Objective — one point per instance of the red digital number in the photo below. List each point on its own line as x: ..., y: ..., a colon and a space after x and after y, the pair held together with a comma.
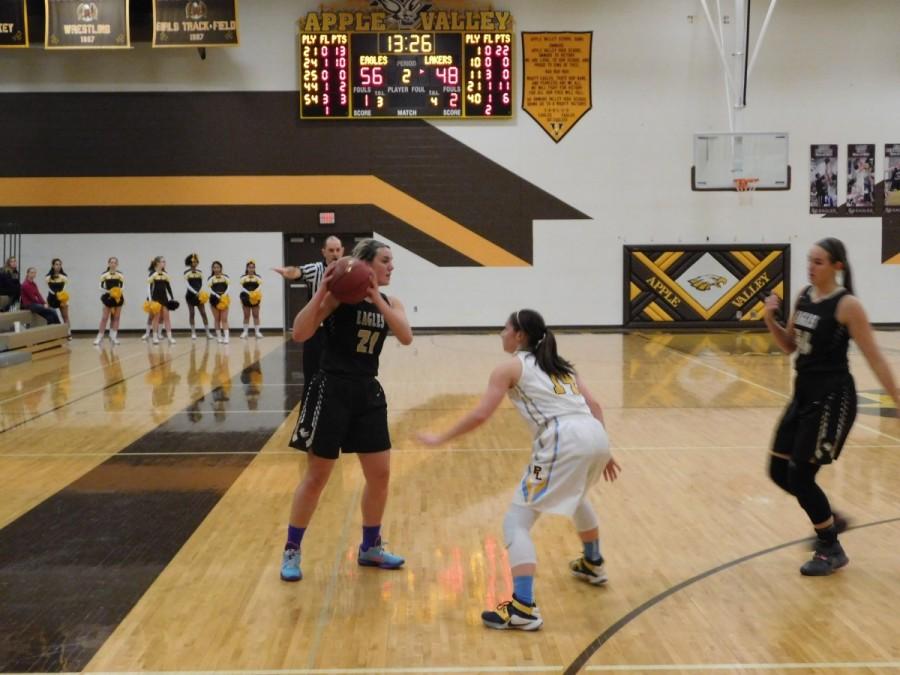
x: 370, y: 76
x: 449, y: 75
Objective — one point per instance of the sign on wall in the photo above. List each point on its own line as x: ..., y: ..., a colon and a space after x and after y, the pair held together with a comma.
x: 97, y: 24
x: 892, y: 178
x: 823, y: 178
x: 557, y: 90
x: 712, y: 285
x: 13, y: 24
x: 861, y: 178
x: 195, y: 23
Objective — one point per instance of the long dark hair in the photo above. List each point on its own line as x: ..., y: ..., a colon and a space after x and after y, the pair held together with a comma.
x: 838, y: 253
x: 61, y: 270
x: 247, y: 266
x: 541, y: 342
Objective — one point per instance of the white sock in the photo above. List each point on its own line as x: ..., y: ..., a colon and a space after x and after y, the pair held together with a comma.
x: 113, y: 334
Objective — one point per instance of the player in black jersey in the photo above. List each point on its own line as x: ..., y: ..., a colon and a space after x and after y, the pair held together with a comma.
x: 815, y: 424
x: 344, y: 409
x: 194, y: 278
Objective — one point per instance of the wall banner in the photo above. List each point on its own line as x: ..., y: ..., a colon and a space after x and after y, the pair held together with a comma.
x: 718, y: 286
x: 557, y: 91
x: 98, y: 24
x: 861, y: 179
x: 13, y: 24
x: 823, y: 178
x: 195, y: 23
x: 892, y: 178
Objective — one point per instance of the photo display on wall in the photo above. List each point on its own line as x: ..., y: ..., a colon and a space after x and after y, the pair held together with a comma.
x: 861, y: 178
x: 892, y: 178
x: 721, y: 286
x: 823, y: 178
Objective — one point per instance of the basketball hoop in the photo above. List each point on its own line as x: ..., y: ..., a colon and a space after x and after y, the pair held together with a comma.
x: 745, y: 187
x: 745, y: 184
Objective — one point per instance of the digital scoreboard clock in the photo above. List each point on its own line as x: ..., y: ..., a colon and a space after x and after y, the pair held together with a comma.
x: 358, y: 75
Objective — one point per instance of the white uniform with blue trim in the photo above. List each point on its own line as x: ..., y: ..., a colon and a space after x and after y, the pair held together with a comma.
x: 570, y: 447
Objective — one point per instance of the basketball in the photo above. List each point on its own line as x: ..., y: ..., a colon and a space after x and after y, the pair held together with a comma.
x: 350, y: 283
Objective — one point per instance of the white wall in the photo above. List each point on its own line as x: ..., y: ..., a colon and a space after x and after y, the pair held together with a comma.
x: 84, y: 258
x: 828, y: 73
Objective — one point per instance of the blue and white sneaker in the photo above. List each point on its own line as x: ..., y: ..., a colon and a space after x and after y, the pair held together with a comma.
x: 290, y: 565
x: 376, y: 556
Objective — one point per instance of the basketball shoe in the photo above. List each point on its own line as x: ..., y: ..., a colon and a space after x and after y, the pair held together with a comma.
x: 513, y: 614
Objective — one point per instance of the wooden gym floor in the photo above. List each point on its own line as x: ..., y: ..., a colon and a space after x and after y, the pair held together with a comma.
x: 144, y: 494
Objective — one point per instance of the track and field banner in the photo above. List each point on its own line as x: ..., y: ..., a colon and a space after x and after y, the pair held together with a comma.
x: 13, y: 24
x: 97, y: 24
x: 715, y: 286
x: 195, y: 23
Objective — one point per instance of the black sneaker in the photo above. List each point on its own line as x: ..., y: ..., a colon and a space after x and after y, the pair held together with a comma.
x: 841, y: 523
x: 513, y: 614
x: 826, y: 559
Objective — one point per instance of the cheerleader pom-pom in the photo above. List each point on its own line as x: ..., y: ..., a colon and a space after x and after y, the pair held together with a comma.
x: 115, y: 293
x: 152, y: 307
x: 63, y: 297
x: 255, y: 297
x: 224, y: 303
x: 202, y: 297
x: 172, y: 305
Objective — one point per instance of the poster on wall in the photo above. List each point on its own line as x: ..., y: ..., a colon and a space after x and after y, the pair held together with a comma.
x: 13, y: 24
x: 861, y: 178
x: 99, y: 24
x: 195, y: 23
x: 823, y: 178
x: 557, y: 74
x: 892, y: 178
x: 709, y: 286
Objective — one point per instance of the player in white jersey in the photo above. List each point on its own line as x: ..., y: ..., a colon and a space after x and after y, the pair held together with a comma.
x: 569, y: 454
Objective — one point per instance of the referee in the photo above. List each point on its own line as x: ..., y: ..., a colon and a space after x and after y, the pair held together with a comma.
x: 312, y: 274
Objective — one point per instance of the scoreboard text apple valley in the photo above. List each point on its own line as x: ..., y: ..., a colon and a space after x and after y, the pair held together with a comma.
x: 364, y: 72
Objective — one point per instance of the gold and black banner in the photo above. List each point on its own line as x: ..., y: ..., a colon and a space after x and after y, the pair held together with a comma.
x: 195, y: 23
x: 13, y: 24
x: 719, y: 286
x: 98, y: 24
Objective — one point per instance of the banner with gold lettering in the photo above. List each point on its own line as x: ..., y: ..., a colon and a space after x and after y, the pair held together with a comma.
x: 557, y: 91
x: 717, y: 286
x: 96, y: 24
x: 13, y: 24
x: 195, y: 23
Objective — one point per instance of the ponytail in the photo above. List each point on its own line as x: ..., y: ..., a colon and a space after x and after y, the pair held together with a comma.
x: 541, y: 342
x: 838, y: 253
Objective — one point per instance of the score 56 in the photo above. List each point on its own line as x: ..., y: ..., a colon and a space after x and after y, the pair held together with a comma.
x: 371, y: 76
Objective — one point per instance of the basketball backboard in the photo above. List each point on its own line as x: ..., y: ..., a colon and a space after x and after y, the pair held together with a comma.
x: 720, y: 158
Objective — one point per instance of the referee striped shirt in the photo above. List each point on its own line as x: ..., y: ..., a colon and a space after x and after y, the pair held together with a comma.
x: 312, y: 274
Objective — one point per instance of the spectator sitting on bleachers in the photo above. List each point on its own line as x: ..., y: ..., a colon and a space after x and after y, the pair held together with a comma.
x: 9, y: 284
x: 32, y: 299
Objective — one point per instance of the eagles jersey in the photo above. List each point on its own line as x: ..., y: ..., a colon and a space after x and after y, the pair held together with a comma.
x: 160, y: 288
x: 194, y: 279
x: 250, y: 282
x: 218, y: 283
x: 822, y: 341
x: 540, y: 397
x: 354, y: 336
x: 110, y: 280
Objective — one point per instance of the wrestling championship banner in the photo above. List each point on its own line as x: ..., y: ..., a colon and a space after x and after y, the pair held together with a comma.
x: 99, y: 24
x: 717, y: 286
x: 195, y: 23
x: 13, y: 24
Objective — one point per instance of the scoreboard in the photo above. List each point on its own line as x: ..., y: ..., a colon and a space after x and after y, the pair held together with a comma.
x: 360, y: 75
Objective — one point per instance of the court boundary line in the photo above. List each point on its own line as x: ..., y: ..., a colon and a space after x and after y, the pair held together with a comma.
x: 588, y: 652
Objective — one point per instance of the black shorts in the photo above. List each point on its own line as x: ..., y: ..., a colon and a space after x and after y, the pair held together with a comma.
x: 342, y: 414
x: 53, y: 301
x: 191, y: 299
x: 816, y: 422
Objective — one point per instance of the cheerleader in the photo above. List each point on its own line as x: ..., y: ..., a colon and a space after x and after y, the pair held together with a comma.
x: 111, y: 283
x: 160, y: 292
x: 251, y: 298
x: 194, y: 297
x: 58, y: 297
x: 219, y: 301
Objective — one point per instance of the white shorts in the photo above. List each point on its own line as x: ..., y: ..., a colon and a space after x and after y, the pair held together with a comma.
x: 567, y: 458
